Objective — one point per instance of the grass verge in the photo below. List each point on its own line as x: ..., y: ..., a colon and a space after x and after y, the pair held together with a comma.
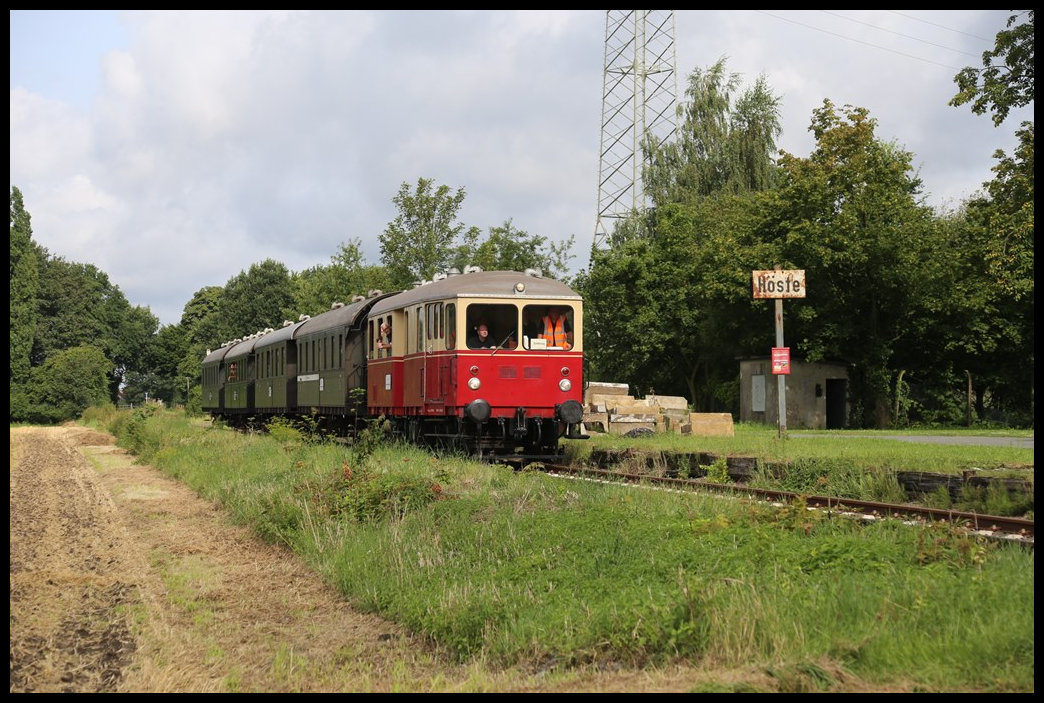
x: 521, y: 569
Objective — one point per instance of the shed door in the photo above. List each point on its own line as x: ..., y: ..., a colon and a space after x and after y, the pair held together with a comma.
x: 835, y: 403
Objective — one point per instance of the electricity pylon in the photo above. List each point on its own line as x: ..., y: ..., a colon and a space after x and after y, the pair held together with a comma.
x: 639, y: 92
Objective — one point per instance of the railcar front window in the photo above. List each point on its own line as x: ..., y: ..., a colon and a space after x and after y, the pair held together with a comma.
x: 500, y: 320
x: 547, y: 327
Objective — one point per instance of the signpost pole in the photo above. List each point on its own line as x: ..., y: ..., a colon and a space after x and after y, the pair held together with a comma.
x: 779, y: 284
x: 781, y: 380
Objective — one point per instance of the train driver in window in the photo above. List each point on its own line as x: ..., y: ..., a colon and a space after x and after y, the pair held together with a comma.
x: 479, y: 338
x: 556, y: 329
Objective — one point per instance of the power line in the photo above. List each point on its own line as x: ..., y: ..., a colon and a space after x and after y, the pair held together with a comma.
x: 898, y: 34
x: 860, y: 41
x: 948, y: 29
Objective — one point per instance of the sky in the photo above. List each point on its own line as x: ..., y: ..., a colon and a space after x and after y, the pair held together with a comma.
x: 173, y: 149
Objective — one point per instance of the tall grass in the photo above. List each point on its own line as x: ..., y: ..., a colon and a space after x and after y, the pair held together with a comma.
x: 522, y: 568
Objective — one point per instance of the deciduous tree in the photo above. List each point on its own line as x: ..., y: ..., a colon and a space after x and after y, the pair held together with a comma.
x: 421, y: 240
x: 725, y: 144
x: 1006, y: 79
x: 848, y: 215
x: 506, y: 248
x: 253, y: 300
x: 317, y: 288
x: 69, y: 382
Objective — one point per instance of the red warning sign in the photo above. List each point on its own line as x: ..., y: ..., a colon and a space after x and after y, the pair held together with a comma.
x: 780, y: 360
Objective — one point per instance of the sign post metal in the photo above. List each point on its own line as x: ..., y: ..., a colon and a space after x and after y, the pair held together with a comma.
x: 779, y: 284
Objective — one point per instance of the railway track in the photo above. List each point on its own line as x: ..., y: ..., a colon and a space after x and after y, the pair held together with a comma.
x: 990, y: 526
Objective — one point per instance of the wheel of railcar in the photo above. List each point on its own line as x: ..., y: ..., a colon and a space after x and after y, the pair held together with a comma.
x: 415, y: 431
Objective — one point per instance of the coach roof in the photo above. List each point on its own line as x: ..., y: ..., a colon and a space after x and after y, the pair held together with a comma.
x: 351, y: 315
x: 512, y: 285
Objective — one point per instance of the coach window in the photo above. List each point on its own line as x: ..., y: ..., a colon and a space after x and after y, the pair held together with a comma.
x: 433, y: 322
x: 420, y: 329
x: 451, y: 326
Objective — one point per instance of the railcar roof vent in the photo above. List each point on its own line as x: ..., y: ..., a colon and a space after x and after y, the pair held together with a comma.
x: 269, y: 329
x: 358, y: 298
x: 375, y: 292
x: 441, y: 276
x: 208, y: 352
x: 418, y: 283
x: 535, y: 273
x: 303, y: 317
x: 336, y: 305
x: 472, y: 269
x: 454, y: 271
x: 287, y: 323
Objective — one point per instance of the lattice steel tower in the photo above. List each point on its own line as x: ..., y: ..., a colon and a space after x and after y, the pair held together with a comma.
x: 639, y: 92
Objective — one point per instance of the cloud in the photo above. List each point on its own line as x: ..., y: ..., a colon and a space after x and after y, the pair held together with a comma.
x: 217, y: 139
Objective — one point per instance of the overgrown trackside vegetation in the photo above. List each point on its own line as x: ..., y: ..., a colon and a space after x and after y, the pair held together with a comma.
x: 522, y: 568
x: 854, y: 465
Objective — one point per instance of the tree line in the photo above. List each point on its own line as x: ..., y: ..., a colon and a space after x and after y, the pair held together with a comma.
x: 77, y: 342
x: 932, y: 310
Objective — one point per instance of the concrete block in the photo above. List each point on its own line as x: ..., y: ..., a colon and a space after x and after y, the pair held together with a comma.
x: 621, y: 424
x: 672, y: 402
x: 598, y: 388
x: 596, y: 421
x: 710, y: 425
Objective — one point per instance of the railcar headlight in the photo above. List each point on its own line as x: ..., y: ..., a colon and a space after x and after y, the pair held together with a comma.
x: 474, y: 384
x: 565, y: 385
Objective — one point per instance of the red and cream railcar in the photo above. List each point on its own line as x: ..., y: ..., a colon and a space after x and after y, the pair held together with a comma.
x: 518, y: 390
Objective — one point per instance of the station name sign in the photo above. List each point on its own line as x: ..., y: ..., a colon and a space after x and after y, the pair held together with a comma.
x: 779, y: 284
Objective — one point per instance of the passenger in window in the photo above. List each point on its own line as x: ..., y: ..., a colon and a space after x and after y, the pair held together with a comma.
x: 384, y: 339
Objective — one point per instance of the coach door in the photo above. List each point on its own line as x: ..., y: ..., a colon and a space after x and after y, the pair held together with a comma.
x: 436, y: 360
